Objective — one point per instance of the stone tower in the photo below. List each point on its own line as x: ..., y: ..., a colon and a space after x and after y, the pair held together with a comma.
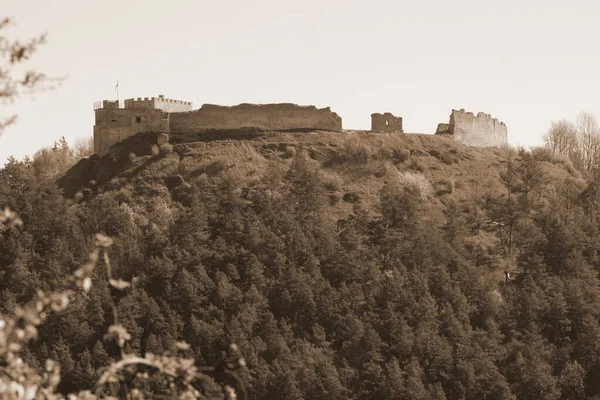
x: 115, y: 123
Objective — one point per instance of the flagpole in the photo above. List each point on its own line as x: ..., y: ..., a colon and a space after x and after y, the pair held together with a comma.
x: 117, y: 87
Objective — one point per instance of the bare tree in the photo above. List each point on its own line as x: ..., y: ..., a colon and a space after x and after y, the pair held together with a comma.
x: 13, y: 84
x: 580, y: 141
x: 83, y: 147
x: 562, y: 137
x: 589, y: 139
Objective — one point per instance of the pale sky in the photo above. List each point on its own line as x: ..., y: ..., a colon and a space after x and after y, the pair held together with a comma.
x: 526, y: 62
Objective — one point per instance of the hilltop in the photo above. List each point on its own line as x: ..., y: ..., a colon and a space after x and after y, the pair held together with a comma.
x: 354, y: 164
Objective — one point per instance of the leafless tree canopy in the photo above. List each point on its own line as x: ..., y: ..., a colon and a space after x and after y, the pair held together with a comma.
x: 83, y: 147
x: 580, y: 140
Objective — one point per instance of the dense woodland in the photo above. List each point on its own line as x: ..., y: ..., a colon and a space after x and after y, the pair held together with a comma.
x: 386, y: 302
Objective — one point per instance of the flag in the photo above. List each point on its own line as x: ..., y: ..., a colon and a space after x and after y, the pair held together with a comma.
x: 117, y: 86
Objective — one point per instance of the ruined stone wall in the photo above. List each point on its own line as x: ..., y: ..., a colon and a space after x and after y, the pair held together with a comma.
x: 479, y: 130
x: 444, y: 129
x: 386, y: 122
x: 115, y: 124
x: 153, y: 114
x: 267, y: 117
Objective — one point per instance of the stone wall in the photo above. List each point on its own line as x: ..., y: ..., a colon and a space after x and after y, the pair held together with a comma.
x: 479, y: 130
x: 266, y: 117
x: 444, y: 129
x: 172, y: 106
x: 173, y: 116
x: 160, y: 103
x: 386, y: 122
x: 116, y: 124
x: 110, y: 104
x: 140, y: 102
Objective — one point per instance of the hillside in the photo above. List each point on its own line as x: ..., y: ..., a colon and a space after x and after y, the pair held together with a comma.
x: 354, y: 167
x: 343, y: 265
x: 355, y: 162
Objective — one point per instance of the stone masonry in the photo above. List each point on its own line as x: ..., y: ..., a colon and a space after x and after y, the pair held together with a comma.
x: 160, y: 115
x: 172, y: 117
x: 386, y: 122
x: 479, y: 130
x: 114, y: 124
x: 263, y: 117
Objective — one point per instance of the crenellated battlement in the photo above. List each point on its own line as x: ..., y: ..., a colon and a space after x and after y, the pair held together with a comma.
x: 158, y: 103
x: 107, y: 104
x: 162, y: 98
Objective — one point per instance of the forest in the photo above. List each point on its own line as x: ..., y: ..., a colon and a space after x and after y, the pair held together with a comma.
x: 323, y: 292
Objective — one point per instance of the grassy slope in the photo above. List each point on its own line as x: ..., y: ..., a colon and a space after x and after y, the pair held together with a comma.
x: 351, y: 162
x: 354, y: 163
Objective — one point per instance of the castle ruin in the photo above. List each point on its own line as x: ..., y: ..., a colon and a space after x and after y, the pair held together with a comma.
x: 116, y: 121
x: 386, y: 122
x: 479, y: 130
x: 157, y: 114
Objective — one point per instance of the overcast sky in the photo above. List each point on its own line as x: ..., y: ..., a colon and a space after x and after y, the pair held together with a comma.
x: 526, y: 62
